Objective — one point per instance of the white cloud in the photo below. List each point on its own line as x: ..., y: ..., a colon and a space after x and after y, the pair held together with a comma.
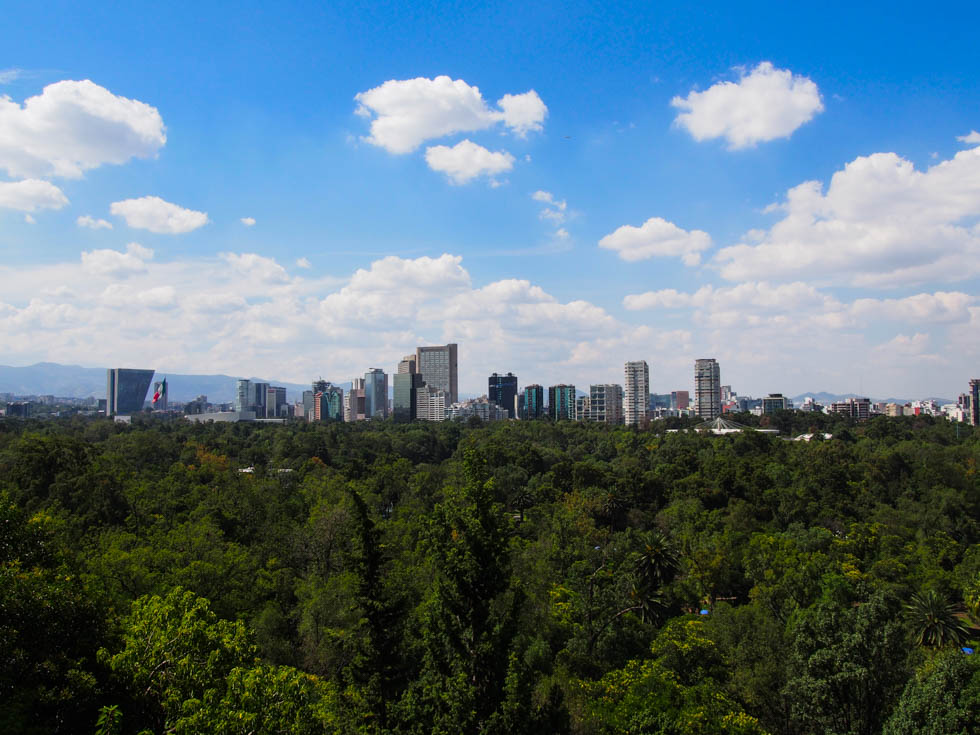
x: 75, y: 126
x: 9, y: 75
x: 880, y: 223
x: 248, y: 221
x: 114, y: 264
x: 303, y: 263
x: 523, y: 113
x: 923, y: 308
x: 238, y: 313
x: 758, y: 295
x: 31, y: 195
x: 548, y: 198
x: 973, y: 138
x: 91, y: 223
x: 406, y: 113
x: 29, y: 219
x: 256, y: 267
x: 657, y: 237
x: 562, y: 234
x: 765, y: 104
x: 466, y: 161
x: 159, y: 216
x: 555, y: 211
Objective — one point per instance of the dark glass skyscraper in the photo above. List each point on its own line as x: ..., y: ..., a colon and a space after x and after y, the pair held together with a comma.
x: 502, y: 390
x: 561, y: 401
x: 533, y: 401
x: 126, y: 390
x: 376, y: 393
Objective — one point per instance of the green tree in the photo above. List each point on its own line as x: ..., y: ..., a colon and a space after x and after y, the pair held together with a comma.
x: 176, y: 653
x: 942, y: 699
x: 849, y: 661
x: 934, y: 621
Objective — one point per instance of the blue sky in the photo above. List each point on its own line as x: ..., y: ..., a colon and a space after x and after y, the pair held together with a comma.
x: 557, y: 187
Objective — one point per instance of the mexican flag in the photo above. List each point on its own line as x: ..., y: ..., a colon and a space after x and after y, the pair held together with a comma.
x: 161, y: 391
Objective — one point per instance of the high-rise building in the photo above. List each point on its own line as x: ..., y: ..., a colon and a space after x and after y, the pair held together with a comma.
x: 376, y: 393
x: 606, y: 403
x: 707, y: 389
x: 244, y: 395
x: 857, y: 408
x: 328, y: 404
x: 776, y: 402
x: 408, y: 383
x: 561, y: 401
x: 126, y: 390
x: 502, y: 390
x: 275, y: 401
x: 533, y: 401
x: 438, y: 368
x: 354, y: 401
x: 636, y: 392
x: 679, y: 400
x: 974, y: 402
x: 431, y: 404
x: 260, y: 395
x: 583, y: 408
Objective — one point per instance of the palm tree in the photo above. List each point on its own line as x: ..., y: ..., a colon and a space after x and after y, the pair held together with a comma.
x: 934, y: 621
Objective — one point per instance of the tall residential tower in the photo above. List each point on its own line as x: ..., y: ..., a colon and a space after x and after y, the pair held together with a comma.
x: 636, y: 392
x: 707, y: 389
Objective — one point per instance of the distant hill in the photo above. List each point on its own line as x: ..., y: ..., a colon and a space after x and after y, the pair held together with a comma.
x: 74, y: 381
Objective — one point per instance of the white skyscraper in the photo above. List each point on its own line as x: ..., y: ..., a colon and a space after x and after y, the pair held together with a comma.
x: 707, y: 388
x: 636, y: 392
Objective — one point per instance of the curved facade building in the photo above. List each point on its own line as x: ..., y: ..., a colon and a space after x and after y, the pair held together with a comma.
x: 125, y: 390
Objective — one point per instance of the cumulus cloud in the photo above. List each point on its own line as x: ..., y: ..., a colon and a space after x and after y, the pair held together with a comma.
x: 73, y: 126
x: 657, y: 238
x: 406, y: 113
x: 92, y: 223
x: 880, y: 223
x: 466, y: 161
x: 973, y: 138
x: 238, y: 313
x: 31, y: 195
x: 114, y: 264
x: 257, y: 267
x: 248, y: 221
x: 764, y: 104
x: 923, y: 308
x: 303, y: 263
x: 752, y: 295
x: 159, y: 216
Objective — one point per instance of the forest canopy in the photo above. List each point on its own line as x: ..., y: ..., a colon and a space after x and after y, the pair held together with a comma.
x: 513, y: 577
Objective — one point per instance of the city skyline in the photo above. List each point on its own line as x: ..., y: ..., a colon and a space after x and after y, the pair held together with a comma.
x: 800, y: 201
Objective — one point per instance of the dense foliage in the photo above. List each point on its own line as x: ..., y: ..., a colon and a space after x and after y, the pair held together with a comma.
x: 520, y: 577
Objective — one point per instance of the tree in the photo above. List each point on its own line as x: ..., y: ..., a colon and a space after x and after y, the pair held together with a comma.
x: 942, y: 699
x: 176, y: 651
x: 679, y: 691
x: 934, y: 621
x: 849, y: 661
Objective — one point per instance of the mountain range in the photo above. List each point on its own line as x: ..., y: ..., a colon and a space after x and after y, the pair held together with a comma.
x: 74, y: 381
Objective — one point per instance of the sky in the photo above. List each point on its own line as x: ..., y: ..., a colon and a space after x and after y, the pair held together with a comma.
x: 295, y: 190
